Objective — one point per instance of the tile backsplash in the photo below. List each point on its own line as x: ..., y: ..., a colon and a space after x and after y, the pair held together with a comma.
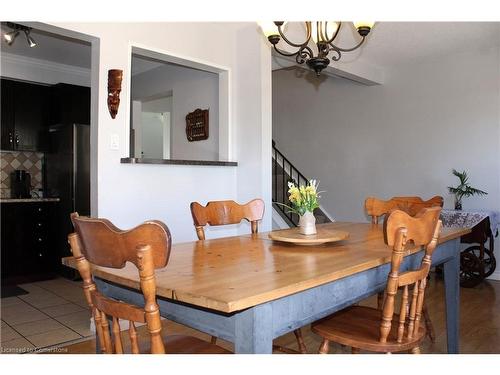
x: 26, y: 160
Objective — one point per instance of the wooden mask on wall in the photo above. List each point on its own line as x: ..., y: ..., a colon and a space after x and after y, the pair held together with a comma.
x: 114, y: 88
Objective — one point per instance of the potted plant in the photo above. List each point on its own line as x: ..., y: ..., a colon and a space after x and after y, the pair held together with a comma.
x: 464, y: 189
x: 304, y: 200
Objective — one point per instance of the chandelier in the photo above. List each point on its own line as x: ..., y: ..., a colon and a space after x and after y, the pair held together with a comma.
x: 322, y: 33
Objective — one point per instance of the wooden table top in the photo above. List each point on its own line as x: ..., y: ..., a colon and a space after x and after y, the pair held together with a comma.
x: 234, y: 273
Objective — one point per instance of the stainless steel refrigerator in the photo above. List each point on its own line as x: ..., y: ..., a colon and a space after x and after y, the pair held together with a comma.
x: 67, y: 174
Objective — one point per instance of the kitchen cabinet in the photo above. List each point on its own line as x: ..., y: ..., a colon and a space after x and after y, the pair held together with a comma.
x: 29, y: 246
x: 70, y: 104
x: 7, y: 115
x: 25, y: 115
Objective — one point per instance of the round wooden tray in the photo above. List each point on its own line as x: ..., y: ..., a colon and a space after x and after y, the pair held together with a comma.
x: 292, y: 235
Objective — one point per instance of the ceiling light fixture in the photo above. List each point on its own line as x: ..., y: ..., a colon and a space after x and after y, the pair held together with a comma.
x: 322, y: 33
x: 30, y: 40
x: 16, y: 28
x: 9, y: 37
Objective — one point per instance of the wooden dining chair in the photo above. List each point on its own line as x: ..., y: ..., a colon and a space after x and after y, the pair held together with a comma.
x: 411, y: 205
x: 226, y: 212
x: 367, y: 328
x: 230, y: 212
x: 97, y: 242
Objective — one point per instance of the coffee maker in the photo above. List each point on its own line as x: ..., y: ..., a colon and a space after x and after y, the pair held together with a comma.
x: 20, y: 184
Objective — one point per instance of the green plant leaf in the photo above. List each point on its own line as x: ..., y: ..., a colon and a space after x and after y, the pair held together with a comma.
x: 464, y: 189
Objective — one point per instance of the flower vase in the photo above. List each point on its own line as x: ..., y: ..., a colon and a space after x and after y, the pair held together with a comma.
x: 307, y: 224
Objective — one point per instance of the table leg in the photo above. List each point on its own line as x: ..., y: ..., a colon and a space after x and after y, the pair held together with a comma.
x: 253, y: 331
x: 452, y: 295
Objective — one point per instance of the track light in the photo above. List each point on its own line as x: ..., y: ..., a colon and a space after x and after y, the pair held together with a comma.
x: 16, y: 28
x: 9, y: 37
x: 30, y: 40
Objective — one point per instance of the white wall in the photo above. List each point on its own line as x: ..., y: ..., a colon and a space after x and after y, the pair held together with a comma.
x: 400, y: 138
x: 127, y: 194
x: 191, y: 89
x: 158, y: 105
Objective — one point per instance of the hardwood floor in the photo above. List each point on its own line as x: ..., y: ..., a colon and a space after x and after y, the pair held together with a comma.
x: 479, y: 327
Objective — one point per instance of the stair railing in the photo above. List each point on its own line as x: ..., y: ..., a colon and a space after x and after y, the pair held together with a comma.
x: 283, y: 172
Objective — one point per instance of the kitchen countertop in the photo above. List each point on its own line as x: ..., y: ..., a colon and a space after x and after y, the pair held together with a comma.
x: 28, y: 200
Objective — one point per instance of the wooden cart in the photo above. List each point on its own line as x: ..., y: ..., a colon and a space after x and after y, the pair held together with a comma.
x: 477, y: 261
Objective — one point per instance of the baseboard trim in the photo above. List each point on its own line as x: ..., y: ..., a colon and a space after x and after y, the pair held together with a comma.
x: 495, y: 275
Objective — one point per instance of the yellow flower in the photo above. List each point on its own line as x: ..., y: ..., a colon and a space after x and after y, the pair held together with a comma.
x: 311, y: 190
x: 295, y: 196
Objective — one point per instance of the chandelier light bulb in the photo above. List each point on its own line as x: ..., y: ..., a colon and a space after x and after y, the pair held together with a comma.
x: 331, y: 28
x: 327, y: 30
x: 358, y: 24
x: 363, y: 27
x: 268, y: 28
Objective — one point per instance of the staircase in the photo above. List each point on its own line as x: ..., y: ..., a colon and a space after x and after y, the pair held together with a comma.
x: 284, y: 172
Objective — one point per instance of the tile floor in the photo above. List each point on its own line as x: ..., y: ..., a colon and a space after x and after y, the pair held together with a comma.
x: 54, y: 312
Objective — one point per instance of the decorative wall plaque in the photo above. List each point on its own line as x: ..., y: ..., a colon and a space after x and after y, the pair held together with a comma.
x: 114, y: 88
x: 197, y: 125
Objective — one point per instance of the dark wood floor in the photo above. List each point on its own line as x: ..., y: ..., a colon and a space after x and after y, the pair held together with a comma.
x: 479, y: 323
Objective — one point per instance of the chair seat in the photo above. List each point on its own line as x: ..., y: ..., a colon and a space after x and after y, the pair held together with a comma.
x: 359, y: 327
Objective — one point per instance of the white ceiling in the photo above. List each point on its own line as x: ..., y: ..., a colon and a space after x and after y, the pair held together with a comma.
x: 389, y: 43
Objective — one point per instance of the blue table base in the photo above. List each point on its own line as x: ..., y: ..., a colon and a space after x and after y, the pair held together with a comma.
x: 253, y: 330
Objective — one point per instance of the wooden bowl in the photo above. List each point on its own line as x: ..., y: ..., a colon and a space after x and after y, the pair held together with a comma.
x: 322, y: 236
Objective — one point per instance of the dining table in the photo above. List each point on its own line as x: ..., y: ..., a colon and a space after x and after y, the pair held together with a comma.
x: 250, y: 289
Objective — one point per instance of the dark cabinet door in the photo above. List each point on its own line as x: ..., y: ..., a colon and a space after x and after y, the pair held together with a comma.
x: 31, y: 109
x: 42, y: 249
x: 9, y: 240
x: 29, y: 250
x: 7, y: 114
x: 70, y: 104
x: 16, y: 239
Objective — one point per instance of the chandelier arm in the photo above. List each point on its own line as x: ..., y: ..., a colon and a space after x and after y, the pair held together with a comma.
x: 308, y: 31
x: 347, y: 49
x: 283, y: 53
x: 337, y: 51
x: 329, y: 41
x: 303, y: 53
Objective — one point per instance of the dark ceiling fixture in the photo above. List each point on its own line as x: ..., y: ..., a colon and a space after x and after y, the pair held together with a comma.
x: 16, y: 29
x: 322, y: 33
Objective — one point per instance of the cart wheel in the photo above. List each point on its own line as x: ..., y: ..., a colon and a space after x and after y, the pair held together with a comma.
x: 490, y: 263
x: 470, y: 270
